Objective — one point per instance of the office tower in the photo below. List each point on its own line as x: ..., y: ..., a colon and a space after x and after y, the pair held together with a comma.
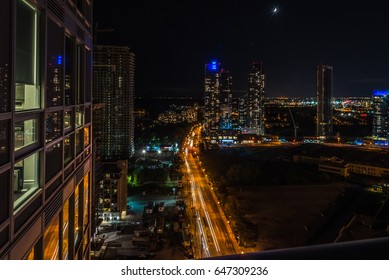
x: 114, y: 87
x: 381, y: 114
x: 256, y: 99
x: 45, y: 129
x: 324, y: 98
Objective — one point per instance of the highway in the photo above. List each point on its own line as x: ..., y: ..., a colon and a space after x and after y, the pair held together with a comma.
x: 213, y: 235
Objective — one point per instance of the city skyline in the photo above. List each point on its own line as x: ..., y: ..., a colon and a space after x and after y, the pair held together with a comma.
x: 291, y: 42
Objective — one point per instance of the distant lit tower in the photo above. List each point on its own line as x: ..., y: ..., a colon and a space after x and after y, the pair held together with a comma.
x: 225, y: 99
x: 256, y: 99
x: 381, y: 114
x: 114, y: 86
x: 212, y: 96
x: 324, y: 124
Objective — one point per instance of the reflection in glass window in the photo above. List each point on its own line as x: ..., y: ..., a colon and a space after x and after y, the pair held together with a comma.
x: 69, y: 71
x: 86, y: 199
x: 51, y: 241
x: 68, y: 120
x: 54, y: 64
x: 4, y: 191
x: 53, y: 126
x: 4, y: 56
x: 68, y: 149
x: 80, y: 74
x: 79, y: 141
x: 26, y: 133
x: 65, y: 230
x: 26, y: 57
x: 4, y: 141
x: 26, y: 179
x: 53, y: 160
x: 77, y: 227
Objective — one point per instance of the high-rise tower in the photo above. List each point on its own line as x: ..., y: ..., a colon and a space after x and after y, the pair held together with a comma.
x: 256, y: 99
x: 45, y: 129
x: 114, y: 87
x: 324, y: 124
x: 381, y: 114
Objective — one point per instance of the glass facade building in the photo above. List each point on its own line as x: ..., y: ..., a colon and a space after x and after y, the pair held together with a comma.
x: 381, y: 114
x: 45, y: 128
x: 324, y: 123
x: 256, y: 99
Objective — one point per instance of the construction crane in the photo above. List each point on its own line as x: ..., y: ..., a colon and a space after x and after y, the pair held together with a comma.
x: 294, y: 125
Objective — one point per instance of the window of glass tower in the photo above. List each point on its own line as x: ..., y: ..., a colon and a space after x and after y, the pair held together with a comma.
x: 26, y: 133
x: 53, y: 126
x: 4, y: 141
x: 68, y: 149
x: 53, y: 160
x: 4, y: 200
x: 51, y: 241
x: 27, y: 94
x: 54, y: 64
x: 26, y: 179
x: 4, y: 56
x: 69, y: 70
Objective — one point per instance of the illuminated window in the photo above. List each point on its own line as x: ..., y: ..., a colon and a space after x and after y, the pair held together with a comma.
x: 77, y: 228
x: 68, y: 120
x: 30, y: 256
x: 79, y: 117
x: 86, y: 136
x: 51, y: 241
x: 26, y: 57
x: 26, y: 133
x: 65, y: 230
x: 26, y: 179
x: 86, y: 200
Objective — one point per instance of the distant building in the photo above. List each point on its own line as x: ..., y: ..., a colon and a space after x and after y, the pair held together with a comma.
x: 256, y: 99
x: 217, y: 100
x: 112, y: 204
x: 212, y: 96
x: 381, y: 114
x: 114, y: 86
x: 324, y: 124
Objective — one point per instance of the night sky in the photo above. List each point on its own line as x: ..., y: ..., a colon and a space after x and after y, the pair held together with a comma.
x: 173, y: 39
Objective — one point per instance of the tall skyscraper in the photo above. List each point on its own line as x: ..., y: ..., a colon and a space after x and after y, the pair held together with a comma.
x: 324, y: 124
x: 114, y: 87
x: 256, y: 99
x: 212, y: 96
x: 381, y: 114
x: 45, y: 129
x: 217, y: 99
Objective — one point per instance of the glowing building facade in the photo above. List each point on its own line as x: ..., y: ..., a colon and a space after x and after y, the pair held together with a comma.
x: 45, y: 129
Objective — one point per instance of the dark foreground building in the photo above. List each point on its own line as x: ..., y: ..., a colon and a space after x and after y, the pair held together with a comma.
x: 45, y: 129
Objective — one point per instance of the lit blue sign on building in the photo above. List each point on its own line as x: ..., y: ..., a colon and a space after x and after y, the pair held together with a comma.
x: 213, y: 66
x: 59, y: 60
x: 380, y: 93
